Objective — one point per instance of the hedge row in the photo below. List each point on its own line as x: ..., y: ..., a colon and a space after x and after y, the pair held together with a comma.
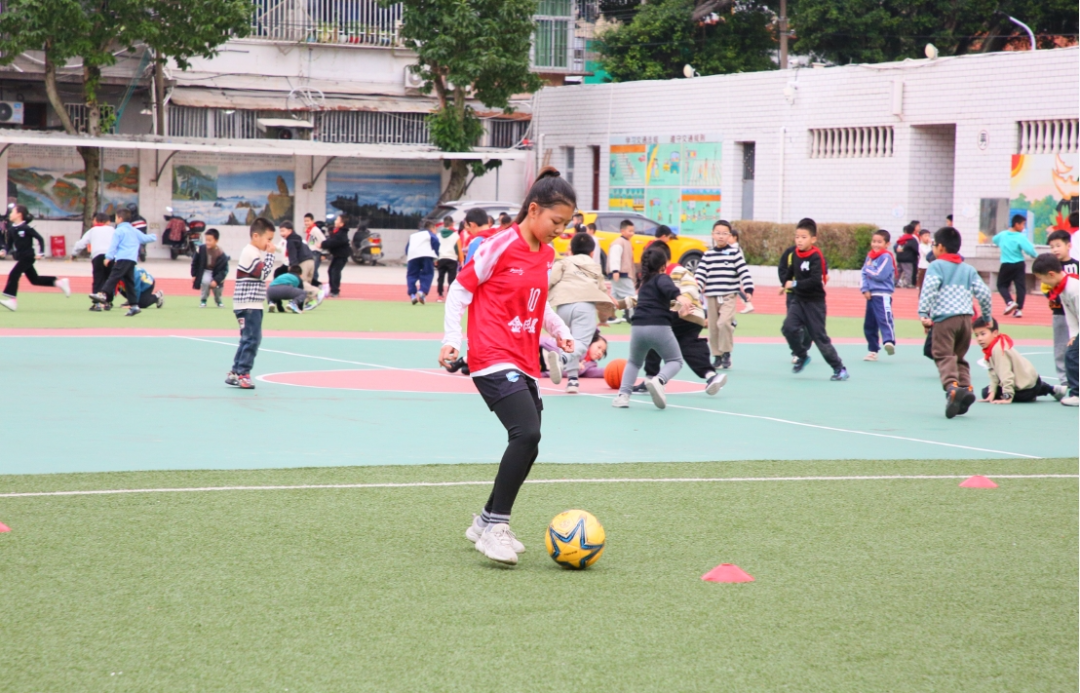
x: 845, y: 245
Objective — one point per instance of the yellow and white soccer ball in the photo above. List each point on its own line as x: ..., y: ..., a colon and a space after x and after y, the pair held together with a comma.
x: 575, y: 539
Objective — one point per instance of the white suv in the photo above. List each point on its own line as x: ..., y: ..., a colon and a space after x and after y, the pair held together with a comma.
x: 458, y: 208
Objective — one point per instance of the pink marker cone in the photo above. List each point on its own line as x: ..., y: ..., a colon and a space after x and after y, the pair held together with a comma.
x: 977, y: 482
x: 727, y: 572
x: 4, y: 528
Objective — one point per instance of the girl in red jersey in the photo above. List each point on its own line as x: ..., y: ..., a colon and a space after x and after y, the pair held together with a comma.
x: 505, y: 289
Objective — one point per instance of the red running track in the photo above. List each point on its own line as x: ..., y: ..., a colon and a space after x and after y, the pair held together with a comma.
x: 842, y: 302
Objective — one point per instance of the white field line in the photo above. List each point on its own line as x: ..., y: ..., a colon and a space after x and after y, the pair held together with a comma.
x: 677, y: 406
x: 445, y: 484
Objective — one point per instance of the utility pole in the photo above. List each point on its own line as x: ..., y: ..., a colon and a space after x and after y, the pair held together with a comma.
x: 783, y: 34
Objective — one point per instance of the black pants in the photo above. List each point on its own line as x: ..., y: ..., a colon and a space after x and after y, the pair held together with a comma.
x: 1039, y: 389
x: 447, y: 270
x: 101, y: 273
x: 805, y: 335
x: 25, y: 266
x: 336, y: 265
x: 1013, y: 274
x: 809, y: 316
x: 146, y: 298
x: 121, y: 270
x: 694, y: 347
x: 520, y: 415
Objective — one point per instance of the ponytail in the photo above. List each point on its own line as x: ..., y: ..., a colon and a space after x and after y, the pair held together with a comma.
x: 550, y: 189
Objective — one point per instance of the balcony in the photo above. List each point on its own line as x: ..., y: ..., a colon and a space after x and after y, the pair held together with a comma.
x: 335, y: 22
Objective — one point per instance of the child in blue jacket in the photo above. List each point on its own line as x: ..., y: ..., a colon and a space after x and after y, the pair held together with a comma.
x: 1014, y: 245
x: 878, y: 283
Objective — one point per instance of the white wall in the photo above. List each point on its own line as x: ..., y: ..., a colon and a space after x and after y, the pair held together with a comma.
x: 973, y: 93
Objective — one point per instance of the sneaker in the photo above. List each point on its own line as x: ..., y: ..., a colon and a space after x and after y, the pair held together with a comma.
x: 272, y: 308
x: 244, y: 382
x: 334, y: 295
x: 231, y: 379
x: 134, y: 310
x: 220, y: 305
x: 413, y: 298
x: 1061, y: 392
x: 476, y: 529
x: 890, y: 348
x: 955, y: 399
x: 872, y: 356
x: 967, y: 398
x: 572, y: 385
x: 656, y: 391
x: 840, y: 374
x: 422, y: 298
x: 639, y: 389
x: 96, y: 308
x: 203, y: 304
x: 1011, y: 308
x: 108, y: 306
x: 718, y: 362
x: 9, y: 303
x: 616, y: 321
x: 622, y: 401
x: 1018, y: 314
x: 497, y: 543
x: 160, y: 299
x: 292, y: 307
x: 323, y: 291
x: 725, y: 361
x: 800, y: 363
x: 99, y: 298
x: 1072, y: 401
x: 65, y: 286
x: 554, y: 364
x: 715, y: 383
x: 748, y: 309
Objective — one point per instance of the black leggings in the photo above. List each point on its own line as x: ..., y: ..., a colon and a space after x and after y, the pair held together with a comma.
x: 1013, y: 274
x: 447, y: 271
x: 1039, y: 389
x: 25, y: 267
x: 336, y: 265
x: 520, y: 415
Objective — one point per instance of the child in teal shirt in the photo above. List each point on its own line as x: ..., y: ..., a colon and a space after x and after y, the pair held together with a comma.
x: 1013, y: 272
x: 288, y: 288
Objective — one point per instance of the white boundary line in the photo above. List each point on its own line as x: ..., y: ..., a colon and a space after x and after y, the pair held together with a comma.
x: 445, y: 484
x: 670, y: 406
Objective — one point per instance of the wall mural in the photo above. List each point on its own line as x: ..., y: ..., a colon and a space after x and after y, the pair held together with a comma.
x: 56, y: 190
x: 674, y: 180
x: 232, y: 194
x: 387, y: 194
x: 1045, y: 189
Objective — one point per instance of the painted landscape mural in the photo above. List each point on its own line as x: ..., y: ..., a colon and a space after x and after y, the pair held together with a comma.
x: 387, y: 196
x: 233, y: 194
x: 1044, y: 188
x: 55, y: 191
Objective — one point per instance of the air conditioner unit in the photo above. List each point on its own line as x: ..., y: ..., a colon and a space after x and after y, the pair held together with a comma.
x: 413, y: 80
x: 11, y: 112
x: 284, y: 128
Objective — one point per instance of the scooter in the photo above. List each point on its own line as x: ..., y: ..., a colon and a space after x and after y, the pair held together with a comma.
x: 366, y: 247
x: 182, y: 237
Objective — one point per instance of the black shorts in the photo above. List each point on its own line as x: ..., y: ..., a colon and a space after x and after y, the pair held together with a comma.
x: 495, y: 386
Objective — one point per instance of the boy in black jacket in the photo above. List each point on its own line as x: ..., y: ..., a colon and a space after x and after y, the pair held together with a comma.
x: 786, y: 271
x: 807, y: 307
x: 21, y: 240
x: 337, y: 244
x: 210, y: 267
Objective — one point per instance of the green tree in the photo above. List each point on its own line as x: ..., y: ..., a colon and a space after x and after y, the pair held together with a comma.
x: 870, y: 31
x: 663, y: 36
x: 94, y: 34
x: 468, y: 49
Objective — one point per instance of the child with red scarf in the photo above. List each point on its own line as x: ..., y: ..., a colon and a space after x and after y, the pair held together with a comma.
x: 1064, y: 288
x: 878, y: 277
x: 945, y: 306
x: 807, y: 309
x: 907, y: 254
x: 1012, y: 377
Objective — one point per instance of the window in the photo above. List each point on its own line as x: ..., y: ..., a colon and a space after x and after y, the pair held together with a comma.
x: 346, y: 22
x: 187, y: 121
x: 847, y: 143
x: 506, y: 134
x: 1048, y: 136
x: 371, y: 127
x: 80, y: 116
x: 568, y: 156
x: 554, y: 29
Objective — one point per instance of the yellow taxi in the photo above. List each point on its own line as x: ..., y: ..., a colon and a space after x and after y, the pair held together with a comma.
x: 685, y: 251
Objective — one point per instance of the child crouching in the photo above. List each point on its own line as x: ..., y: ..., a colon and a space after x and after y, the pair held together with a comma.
x: 1012, y: 377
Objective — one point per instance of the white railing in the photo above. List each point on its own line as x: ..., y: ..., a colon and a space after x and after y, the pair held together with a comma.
x: 1048, y: 136
x: 371, y: 127
x: 847, y: 143
x: 341, y: 22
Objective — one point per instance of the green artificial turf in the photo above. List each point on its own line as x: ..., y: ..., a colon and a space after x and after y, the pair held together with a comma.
x: 50, y: 310
x: 897, y: 585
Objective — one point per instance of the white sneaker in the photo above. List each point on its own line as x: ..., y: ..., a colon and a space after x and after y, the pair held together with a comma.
x: 9, y: 303
x: 656, y: 390
x: 476, y: 529
x: 323, y: 291
x: 1061, y: 392
x: 715, y: 383
x: 1011, y: 307
x: 65, y: 286
x: 890, y: 348
x: 748, y: 309
x: 554, y: 364
x: 871, y: 356
x: 1018, y: 314
x: 497, y: 543
x: 621, y: 401
x: 1073, y: 401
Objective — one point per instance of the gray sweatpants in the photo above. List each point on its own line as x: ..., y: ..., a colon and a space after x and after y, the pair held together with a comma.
x: 284, y: 292
x: 1061, y: 344
x: 658, y: 338
x: 581, y: 319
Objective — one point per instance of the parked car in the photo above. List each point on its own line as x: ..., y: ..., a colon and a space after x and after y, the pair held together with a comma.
x: 686, y: 251
x: 457, y: 210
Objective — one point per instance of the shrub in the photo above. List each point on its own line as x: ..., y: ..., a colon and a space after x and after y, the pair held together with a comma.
x: 844, y: 245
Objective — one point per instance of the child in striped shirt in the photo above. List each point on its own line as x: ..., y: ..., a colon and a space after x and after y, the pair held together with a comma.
x: 721, y: 273
x: 254, y: 268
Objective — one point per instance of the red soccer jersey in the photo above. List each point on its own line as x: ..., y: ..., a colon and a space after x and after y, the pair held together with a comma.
x: 509, y: 284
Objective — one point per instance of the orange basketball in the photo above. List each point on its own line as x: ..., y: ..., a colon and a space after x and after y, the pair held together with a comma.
x: 613, y: 373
